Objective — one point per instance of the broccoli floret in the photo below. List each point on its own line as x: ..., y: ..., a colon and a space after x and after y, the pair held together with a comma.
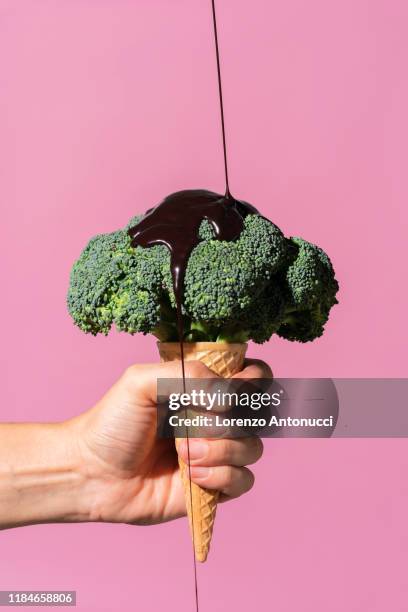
x: 310, y: 288
x: 95, y: 279
x: 114, y: 283
x: 250, y: 288
x: 136, y: 304
x: 206, y: 230
x: 266, y: 314
x: 223, y: 278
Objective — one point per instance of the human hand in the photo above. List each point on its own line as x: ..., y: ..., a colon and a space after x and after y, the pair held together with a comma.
x: 133, y: 477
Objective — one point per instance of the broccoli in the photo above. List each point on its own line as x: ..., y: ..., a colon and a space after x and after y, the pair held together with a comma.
x: 258, y: 285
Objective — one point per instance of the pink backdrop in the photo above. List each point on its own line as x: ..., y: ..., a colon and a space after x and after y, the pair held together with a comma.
x: 106, y: 107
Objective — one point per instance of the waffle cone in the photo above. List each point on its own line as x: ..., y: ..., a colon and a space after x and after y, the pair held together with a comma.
x: 225, y: 360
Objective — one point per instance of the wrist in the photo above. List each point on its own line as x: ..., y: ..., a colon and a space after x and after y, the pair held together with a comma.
x: 87, y: 482
x: 41, y: 480
x: 74, y: 484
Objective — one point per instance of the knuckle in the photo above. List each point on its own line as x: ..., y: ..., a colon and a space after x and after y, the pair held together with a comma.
x: 132, y: 373
x: 134, y: 378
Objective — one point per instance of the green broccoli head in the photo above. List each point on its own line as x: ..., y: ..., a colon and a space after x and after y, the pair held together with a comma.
x: 310, y: 288
x: 250, y: 288
x: 113, y: 283
x: 95, y: 279
x: 224, y: 278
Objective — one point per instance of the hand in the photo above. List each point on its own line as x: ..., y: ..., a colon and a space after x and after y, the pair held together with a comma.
x: 107, y: 465
x: 132, y: 476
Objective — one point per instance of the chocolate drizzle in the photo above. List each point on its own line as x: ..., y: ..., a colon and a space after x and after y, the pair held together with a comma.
x: 175, y: 223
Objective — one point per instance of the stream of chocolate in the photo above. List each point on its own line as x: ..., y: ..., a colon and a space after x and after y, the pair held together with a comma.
x: 175, y: 223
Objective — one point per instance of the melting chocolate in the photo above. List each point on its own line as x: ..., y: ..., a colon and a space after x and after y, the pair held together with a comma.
x: 175, y: 223
x: 176, y: 220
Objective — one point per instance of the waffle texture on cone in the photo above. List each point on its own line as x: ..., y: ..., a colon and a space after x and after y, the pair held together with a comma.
x: 222, y: 358
x: 225, y: 360
x: 204, y: 509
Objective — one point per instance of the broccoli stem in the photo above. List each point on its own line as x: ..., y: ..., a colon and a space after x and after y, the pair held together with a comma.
x: 195, y: 331
x: 165, y: 332
x: 238, y: 336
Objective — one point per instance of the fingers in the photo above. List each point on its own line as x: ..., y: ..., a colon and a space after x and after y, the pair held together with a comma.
x: 218, y: 464
x: 141, y: 379
x: 212, y: 453
x: 229, y: 480
x: 255, y: 368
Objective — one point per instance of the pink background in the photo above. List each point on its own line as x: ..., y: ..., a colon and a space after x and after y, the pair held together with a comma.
x: 106, y: 107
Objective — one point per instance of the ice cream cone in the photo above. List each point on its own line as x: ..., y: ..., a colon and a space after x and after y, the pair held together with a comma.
x: 225, y: 360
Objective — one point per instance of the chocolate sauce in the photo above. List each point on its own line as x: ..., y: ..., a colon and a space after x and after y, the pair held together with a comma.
x: 175, y: 223
x: 176, y: 220
x: 217, y: 55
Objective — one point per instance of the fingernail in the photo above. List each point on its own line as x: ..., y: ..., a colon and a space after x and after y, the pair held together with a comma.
x: 198, y: 449
x: 199, y: 472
